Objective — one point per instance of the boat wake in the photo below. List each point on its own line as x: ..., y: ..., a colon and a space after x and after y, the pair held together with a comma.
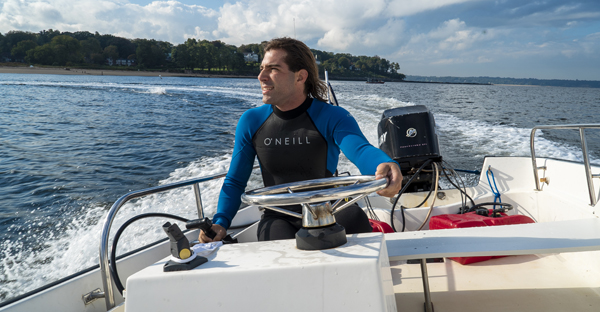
x: 65, y: 252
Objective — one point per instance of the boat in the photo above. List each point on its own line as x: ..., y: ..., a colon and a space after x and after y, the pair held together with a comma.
x: 552, y: 264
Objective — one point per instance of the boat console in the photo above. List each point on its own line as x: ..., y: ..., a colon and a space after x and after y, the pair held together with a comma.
x: 353, y: 277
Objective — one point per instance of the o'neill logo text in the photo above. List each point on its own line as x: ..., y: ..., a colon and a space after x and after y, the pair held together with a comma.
x: 286, y: 141
x: 411, y: 133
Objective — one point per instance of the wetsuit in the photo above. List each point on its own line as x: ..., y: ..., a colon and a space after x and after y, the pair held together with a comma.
x: 296, y: 145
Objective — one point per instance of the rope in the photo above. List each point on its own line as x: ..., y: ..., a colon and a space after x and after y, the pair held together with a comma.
x: 495, y: 187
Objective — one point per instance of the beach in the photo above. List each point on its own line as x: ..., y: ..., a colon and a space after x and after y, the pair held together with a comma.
x: 102, y: 72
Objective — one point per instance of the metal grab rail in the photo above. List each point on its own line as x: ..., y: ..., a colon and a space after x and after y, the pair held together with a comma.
x: 104, y: 265
x: 586, y: 160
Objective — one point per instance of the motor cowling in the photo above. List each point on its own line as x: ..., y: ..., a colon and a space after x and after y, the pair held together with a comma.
x: 408, y: 135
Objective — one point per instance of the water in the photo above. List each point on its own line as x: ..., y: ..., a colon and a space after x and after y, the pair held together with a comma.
x: 71, y: 145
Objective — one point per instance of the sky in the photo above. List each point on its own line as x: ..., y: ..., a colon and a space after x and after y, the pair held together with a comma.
x: 545, y: 39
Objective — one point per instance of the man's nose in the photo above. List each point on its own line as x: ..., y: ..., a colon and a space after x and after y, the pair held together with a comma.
x: 262, y: 76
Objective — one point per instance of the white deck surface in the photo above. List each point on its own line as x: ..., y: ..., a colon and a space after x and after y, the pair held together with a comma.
x: 273, y: 276
x: 546, y: 275
x: 526, y: 283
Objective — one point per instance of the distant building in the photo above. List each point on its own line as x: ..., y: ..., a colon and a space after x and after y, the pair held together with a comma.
x: 250, y: 57
x: 120, y: 62
x: 124, y: 62
x: 317, y: 59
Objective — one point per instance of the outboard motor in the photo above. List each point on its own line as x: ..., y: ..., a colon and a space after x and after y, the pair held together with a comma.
x: 408, y: 135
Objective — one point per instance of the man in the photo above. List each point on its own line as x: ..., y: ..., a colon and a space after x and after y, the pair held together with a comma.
x: 297, y: 137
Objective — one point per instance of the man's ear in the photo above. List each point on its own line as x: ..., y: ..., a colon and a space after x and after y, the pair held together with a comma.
x: 302, y: 75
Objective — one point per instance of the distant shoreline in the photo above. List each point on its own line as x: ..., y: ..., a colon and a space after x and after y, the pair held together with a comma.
x: 104, y: 72
x: 505, y: 81
x: 141, y: 73
x: 112, y: 72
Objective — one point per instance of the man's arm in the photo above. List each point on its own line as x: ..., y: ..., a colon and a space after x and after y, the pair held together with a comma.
x: 229, y: 199
x: 240, y: 169
x: 368, y: 159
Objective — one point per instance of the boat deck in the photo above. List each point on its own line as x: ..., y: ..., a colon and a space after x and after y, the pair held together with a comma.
x: 516, y: 283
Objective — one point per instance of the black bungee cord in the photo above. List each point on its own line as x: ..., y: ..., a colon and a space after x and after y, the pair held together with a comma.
x: 464, y: 201
x: 113, y: 262
x: 402, y: 191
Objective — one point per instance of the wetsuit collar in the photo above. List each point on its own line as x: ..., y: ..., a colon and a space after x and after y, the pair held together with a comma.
x: 291, y: 114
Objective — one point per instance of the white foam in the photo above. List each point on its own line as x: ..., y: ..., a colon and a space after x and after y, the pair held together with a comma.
x: 157, y: 90
x: 24, y: 270
x: 483, y: 139
x: 367, y: 111
x: 235, y: 92
x: 78, y: 247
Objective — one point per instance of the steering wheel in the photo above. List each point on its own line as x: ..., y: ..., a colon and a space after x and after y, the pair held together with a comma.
x: 319, y: 229
x: 329, y: 189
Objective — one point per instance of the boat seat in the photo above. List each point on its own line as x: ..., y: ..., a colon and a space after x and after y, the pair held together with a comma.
x: 518, y: 239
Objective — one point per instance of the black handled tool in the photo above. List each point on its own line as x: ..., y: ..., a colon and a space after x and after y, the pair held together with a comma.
x: 203, y: 224
x: 206, y: 226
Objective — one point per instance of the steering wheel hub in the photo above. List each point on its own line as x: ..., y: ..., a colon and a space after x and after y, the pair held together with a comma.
x: 317, y: 215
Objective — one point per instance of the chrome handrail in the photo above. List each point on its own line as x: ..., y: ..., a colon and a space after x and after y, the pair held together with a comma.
x: 586, y: 160
x: 104, y: 265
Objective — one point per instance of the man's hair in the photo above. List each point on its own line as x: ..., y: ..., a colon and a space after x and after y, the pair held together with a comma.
x: 300, y: 57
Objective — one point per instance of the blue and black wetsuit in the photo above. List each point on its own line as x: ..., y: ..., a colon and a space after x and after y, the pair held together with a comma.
x: 296, y: 145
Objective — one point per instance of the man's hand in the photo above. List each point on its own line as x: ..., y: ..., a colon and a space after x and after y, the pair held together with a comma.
x: 391, y: 170
x: 221, y: 232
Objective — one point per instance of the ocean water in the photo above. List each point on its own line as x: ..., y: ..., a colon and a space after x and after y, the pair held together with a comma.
x: 70, y: 146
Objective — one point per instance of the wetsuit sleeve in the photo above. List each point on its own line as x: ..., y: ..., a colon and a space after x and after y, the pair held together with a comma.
x: 239, y: 172
x: 348, y: 136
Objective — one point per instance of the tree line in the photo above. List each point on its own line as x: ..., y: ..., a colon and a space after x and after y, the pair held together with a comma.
x: 83, y: 48
x: 55, y: 48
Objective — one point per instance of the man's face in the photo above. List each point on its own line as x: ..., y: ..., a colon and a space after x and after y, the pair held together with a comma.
x: 280, y: 86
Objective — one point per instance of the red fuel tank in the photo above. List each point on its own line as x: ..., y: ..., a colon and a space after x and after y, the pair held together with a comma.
x: 380, y: 226
x: 471, y: 219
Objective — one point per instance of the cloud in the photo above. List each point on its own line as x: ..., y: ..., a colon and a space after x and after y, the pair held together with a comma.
x: 399, y: 8
x: 243, y: 23
x: 11, y: 14
x: 171, y: 20
x: 163, y: 20
x: 549, y: 13
x: 590, y: 45
x: 255, y: 21
x: 568, y: 53
x: 382, y: 39
x: 342, y: 25
x: 452, y: 42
